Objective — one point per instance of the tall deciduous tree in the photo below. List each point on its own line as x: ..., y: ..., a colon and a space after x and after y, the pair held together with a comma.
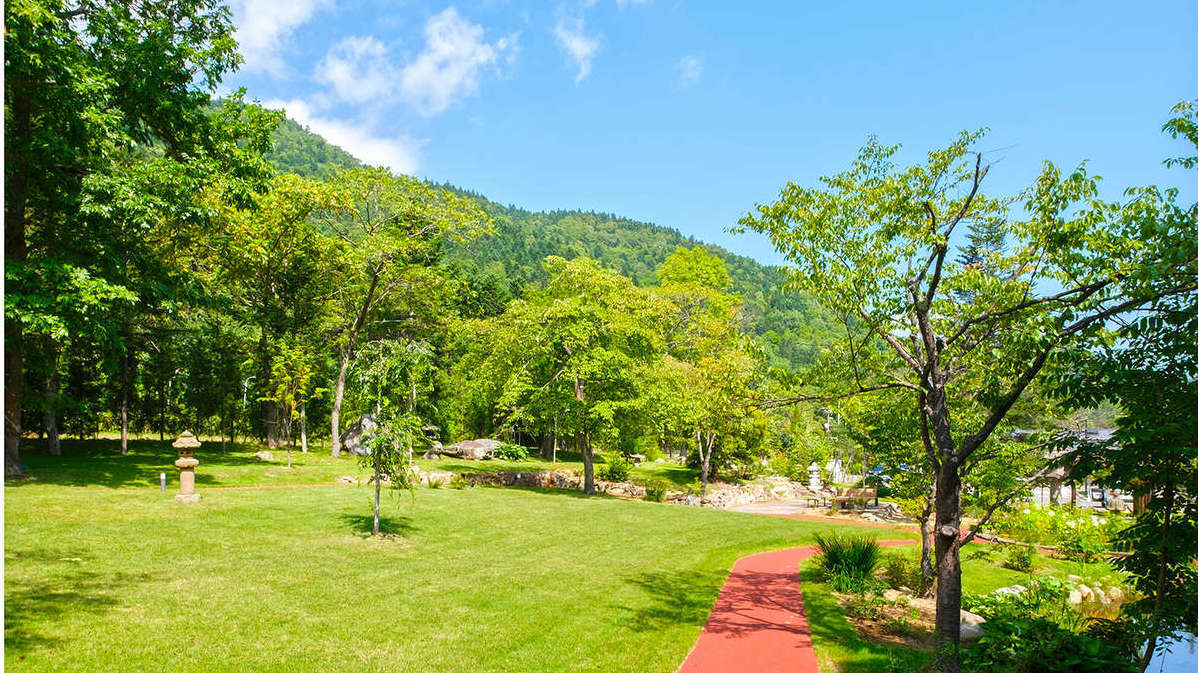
x: 390, y: 230
x: 278, y: 265
x: 575, y: 351
x: 873, y: 244
x: 91, y: 88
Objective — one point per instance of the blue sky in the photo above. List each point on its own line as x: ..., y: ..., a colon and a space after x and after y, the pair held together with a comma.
x: 686, y: 114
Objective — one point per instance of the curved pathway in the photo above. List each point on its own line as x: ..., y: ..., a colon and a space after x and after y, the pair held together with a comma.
x: 758, y: 623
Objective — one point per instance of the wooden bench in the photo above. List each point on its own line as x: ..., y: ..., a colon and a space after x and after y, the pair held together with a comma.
x: 854, y: 496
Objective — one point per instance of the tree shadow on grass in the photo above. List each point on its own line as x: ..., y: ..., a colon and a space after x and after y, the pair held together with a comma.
x: 679, y: 597
x: 32, y: 608
x: 98, y: 462
x: 748, y: 602
x: 390, y: 526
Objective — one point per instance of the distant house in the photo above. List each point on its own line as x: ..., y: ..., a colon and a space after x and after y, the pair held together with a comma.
x: 1054, y: 487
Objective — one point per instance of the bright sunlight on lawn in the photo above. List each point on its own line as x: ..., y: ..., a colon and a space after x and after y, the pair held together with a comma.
x: 285, y: 578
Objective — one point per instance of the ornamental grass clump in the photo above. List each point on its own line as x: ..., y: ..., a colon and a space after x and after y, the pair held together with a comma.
x: 849, y: 561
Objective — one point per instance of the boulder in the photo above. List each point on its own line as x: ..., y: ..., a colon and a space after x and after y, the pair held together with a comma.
x: 357, y: 437
x: 1075, y: 597
x: 1087, y: 592
x: 971, y: 626
x: 1013, y: 589
x: 264, y: 455
x: 472, y: 449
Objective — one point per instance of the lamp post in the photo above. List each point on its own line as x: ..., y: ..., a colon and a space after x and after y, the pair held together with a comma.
x: 187, y: 444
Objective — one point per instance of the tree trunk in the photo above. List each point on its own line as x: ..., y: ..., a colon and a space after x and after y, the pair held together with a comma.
x: 588, y: 464
x: 125, y: 403
x: 707, y: 442
x: 948, y: 527
x: 50, y: 413
x: 948, y: 565
x: 304, y: 427
x: 378, y: 485
x: 13, y: 379
x: 272, y: 426
x: 338, y: 397
x: 16, y: 183
x: 927, y: 567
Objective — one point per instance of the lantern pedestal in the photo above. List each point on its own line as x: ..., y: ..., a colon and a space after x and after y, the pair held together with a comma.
x: 187, y: 444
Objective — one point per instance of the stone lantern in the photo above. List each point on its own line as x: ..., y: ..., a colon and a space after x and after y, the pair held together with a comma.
x: 187, y: 444
x: 813, y: 481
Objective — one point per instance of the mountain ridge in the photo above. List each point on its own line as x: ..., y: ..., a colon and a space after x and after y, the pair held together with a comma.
x: 790, y: 327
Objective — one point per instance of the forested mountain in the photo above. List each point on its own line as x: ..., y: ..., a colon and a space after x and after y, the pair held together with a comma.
x: 791, y: 328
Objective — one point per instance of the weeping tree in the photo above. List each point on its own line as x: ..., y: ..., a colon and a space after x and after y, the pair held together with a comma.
x: 395, y: 376
x: 965, y: 341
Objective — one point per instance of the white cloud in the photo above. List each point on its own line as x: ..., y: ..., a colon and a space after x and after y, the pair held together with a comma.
x: 263, y: 26
x: 358, y: 70
x: 448, y: 67
x: 580, y: 47
x: 399, y: 154
x: 690, y: 70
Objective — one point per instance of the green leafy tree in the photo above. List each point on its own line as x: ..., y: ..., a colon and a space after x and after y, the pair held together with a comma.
x: 574, y: 352
x: 1152, y: 375
x: 278, y: 268
x: 705, y: 380
x: 389, y: 231
x: 873, y: 244
x: 105, y: 113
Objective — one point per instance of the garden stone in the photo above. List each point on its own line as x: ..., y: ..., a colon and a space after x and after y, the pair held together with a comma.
x: 357, y: 437
x: 891, y: 594
x: 1101, y: 596
x: 1086, y: 592
x: 472, y: 449
x: 264, y: 455
x: 971, y: 626
x: 1115, y: 593
x: 1075, y: 597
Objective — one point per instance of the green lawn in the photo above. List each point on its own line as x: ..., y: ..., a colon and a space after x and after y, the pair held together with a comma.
x: 99, y: 463
x: 117, y: 576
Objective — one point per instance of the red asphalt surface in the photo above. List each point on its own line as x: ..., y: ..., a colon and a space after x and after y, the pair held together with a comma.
x: 758, y: 623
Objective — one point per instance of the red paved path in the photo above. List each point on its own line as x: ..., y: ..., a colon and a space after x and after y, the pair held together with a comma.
x: 758, y: 623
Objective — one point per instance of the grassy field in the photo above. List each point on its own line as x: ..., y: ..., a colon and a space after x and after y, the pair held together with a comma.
x: 99, y: 463
x: 105, y: 573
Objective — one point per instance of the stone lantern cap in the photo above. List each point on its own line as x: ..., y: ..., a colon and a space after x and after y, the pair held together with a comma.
x: 186, y: 441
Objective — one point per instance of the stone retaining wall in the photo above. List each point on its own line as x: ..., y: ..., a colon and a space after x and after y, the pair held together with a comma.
x: 718, y: 495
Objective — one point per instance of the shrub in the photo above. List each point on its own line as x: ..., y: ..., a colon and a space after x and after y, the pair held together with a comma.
x: 1081, y: 535
x: 656, y: 489
x: 1044, y: 597
x: 849, y: 561
x: 864, y: 606
x: 1032, y: 645
x: 510, y: 452
x: 1084, y: 545
x: 1020, y: 558
x: 617, y: 468
x: 459, y: 482
x: 901, y: 571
